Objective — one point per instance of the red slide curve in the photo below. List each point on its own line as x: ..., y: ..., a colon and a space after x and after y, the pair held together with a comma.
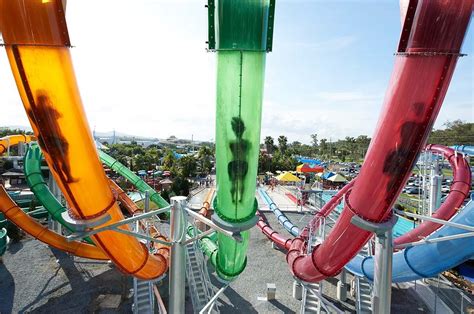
x: 457, y: 194
x: 429, y: 47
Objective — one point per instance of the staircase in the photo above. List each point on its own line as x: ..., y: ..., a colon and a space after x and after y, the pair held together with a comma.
x: 197, y: 276
x: 311, y: 302
x: 364, y: 295
x: 143, y: 300
x: 364, y: 288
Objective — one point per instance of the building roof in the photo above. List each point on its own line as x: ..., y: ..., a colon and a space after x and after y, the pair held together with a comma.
x: 13, y: 174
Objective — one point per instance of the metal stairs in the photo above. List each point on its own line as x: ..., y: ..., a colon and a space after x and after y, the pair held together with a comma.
x: 143, y: 300
x: 198, y: 279
x: 364, y: 295
x: 364, y: 287
x: 310, y: 302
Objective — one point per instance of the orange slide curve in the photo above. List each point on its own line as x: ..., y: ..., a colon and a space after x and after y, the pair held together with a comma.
x: 12, y: 140
x: 37, y: 43
x: 42, y: 233
x: 31, y: 226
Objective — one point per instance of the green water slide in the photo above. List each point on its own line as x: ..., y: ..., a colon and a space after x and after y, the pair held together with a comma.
x: 241, y: 34
x: 37, y: 184
x: 207, y: 244
x: 3, y: 241
x: 39, y: 187
x: 141, y: 185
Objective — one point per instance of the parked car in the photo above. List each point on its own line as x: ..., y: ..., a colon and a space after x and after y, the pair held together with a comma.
x: 412, y: 190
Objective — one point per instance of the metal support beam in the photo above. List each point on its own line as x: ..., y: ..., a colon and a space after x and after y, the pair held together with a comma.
x: 114, y: 226
x: 178, y: 258
x: 382, y: 292
x: 342, y: 287
x: 383, y: 272
x: 200, y: 236
x: 235, y: 235
x: 210, y: 304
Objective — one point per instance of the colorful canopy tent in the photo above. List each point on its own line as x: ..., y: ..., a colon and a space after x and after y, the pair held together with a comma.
x: 337, y: 178
x: 287, y: 177
x: 306, y: 168
x: 309, y: 160
x: 327, y: 175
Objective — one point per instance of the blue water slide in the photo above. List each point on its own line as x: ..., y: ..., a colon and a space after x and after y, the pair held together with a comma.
x: 465, y: 149
x: 282, y: 219
x: 426, y: 260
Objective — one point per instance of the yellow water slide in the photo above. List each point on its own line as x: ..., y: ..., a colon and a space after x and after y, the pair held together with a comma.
x: 37, y: 43
x: 12, y: 140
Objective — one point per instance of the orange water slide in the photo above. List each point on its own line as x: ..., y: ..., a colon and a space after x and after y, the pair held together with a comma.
x: 37, y: 43
x: 207, y: 203
x: 14, y: 213
x: 12, y: 140
x: 42, y: 233
x: 132, y: 208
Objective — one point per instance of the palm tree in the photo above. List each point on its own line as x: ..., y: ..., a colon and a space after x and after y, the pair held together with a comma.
x: 269, y: 144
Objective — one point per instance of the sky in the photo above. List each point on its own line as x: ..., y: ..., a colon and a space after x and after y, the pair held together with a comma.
x: 143, y: 69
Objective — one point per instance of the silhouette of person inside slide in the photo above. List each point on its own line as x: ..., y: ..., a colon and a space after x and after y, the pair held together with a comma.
x: 238, y: 167
x: 404, y: 154
x: 51, y: 139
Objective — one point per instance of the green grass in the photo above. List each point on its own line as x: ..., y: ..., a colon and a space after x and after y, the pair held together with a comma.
x: 447, y: 172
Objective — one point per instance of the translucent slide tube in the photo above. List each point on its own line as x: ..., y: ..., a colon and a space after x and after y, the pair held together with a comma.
x: 37, y: 44
x: 429, y: 48
x: 241, y: 41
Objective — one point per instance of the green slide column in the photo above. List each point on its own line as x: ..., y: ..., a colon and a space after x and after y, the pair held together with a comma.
x: 242, y: 38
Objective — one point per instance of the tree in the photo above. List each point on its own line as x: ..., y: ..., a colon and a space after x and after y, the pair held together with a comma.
x: 7, y: 131
x: 187, y: 166
x: 314, y: 140
x: 362, y: 142
x: 204, y: 159
x: 282, y: 144
x: 169, y: 160
x: 269, y: 144
x: 264, y: 163
x: 323, y: 146
x: 180, y: 186
x: 456, y: 132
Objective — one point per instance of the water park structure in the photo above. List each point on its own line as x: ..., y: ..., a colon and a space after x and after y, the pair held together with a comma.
x: 355, y: 231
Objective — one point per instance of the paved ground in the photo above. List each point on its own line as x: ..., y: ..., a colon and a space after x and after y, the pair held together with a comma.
x: 35, y: 278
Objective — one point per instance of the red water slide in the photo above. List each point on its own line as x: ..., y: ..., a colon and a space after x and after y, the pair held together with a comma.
x: 457, y: 194
x: 430, y: 43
